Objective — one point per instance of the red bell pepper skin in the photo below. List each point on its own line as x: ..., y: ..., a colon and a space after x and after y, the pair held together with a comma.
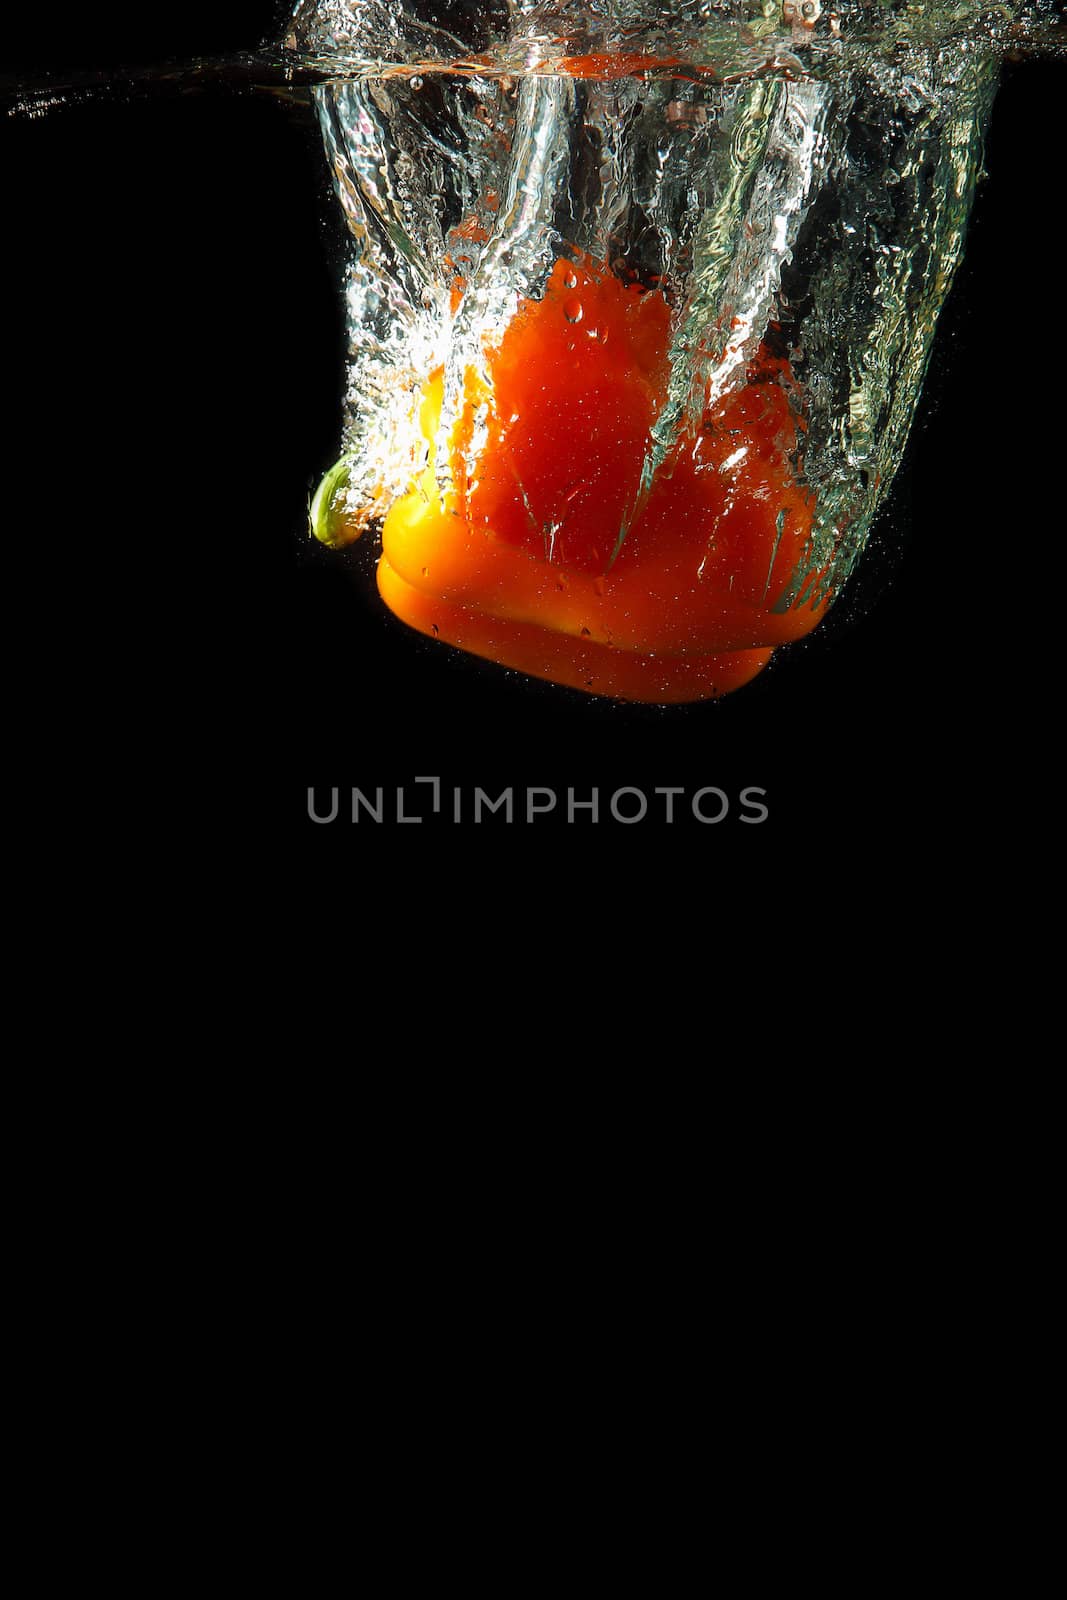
x: 523, y: 563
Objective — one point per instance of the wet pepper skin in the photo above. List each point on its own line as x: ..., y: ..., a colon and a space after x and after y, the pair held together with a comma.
x: 523, y: 564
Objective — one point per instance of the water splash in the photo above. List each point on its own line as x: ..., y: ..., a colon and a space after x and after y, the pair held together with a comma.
x: 802, y: 181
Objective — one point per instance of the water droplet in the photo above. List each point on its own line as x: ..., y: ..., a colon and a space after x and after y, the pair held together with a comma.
x: 426, y: 572
x: 585, y: 633
x: 570, y: 280
x: 572, y: 309
x: 416, y: 83
x: 436, y: 630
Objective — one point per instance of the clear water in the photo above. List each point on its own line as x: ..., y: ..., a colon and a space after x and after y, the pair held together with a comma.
x: 805, y: 175
x: 767, y: 201
x: 748, y: 214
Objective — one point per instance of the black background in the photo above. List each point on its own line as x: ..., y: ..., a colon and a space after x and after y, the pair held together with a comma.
x: 176, y: 340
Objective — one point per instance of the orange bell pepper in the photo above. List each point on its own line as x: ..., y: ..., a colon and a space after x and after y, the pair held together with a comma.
x: 523, y: 563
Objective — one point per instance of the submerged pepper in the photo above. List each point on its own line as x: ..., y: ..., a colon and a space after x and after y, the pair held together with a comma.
x: 556, y: 555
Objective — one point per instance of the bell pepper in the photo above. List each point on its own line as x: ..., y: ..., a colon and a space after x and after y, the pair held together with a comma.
x: 554, y: 559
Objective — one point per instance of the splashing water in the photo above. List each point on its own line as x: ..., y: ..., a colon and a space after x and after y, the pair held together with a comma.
x: 789, y: 189
x: 714, y: 239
